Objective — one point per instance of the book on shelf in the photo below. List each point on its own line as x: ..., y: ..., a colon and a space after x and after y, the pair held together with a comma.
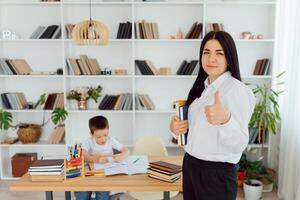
x: 46, y: 32
x: 146, y: 67
x: 146, y: 30
x: 262, y: 67
x: 124, y: 30
x: 83, y: 66
x: 164, y: 171
x: 14, y: 100
x: 116, y: 102
x: 57, y: 135
x: 14, y: 67
x: 188, y: 68
x: 69, y: 29
x: 214, y: 27
x: 54, y: 100
x: 195, y: 31
x: 144, y: 102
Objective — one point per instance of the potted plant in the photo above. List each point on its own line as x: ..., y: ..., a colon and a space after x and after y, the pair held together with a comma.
x: 83, y: 94
x: 30, y: 133
x: 253, y: 187
x: 266, y: 116
x: 241, y: 174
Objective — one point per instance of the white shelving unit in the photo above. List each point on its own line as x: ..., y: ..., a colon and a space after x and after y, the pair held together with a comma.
x: 23, y: 16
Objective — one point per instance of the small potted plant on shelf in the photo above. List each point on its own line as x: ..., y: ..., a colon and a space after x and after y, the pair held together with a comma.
x: 266, y: 116
x: 30, y: 133
x: 83, y: 94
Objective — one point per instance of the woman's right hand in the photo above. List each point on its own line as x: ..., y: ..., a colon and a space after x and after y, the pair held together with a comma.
x: 177, y: 126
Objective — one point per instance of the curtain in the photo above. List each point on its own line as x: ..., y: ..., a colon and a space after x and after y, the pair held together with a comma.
x: 287, y: 58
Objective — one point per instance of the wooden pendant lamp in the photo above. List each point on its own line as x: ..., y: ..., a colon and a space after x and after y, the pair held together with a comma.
x: 90, y: 32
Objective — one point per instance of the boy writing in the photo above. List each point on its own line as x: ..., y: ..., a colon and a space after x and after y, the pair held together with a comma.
x: 97, y: 148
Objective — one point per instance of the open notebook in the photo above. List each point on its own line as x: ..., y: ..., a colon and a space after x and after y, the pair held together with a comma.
x: 130, y: 165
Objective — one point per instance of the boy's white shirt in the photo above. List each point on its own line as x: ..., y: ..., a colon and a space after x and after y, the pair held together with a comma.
x: 91, y: 146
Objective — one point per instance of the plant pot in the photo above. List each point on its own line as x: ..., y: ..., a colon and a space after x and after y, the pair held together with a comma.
x: 241, y: 177
x: 253, y: 192
x: 29, y: 133
x: 82, y: 104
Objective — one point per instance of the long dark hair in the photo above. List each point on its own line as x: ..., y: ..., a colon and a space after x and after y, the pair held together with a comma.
x: 231, y: 56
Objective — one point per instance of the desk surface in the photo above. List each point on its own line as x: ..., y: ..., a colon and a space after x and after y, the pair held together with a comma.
x: 112, y: 183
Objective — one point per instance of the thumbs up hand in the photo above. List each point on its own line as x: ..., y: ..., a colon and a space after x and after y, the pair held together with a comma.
x: 217, y: 113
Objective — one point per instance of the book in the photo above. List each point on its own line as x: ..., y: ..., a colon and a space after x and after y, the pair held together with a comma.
x: 182, y: 113
x: 51, y: 163
x: 165, y: 166
x: 164, y: 179
x: 130, y: 165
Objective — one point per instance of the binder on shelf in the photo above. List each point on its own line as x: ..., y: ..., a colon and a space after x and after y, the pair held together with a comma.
x: 181, y: 112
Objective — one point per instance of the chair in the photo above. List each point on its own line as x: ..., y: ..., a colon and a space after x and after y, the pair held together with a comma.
x: 151, y: 146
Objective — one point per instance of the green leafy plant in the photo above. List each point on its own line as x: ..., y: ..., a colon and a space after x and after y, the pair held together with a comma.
x: 242, y: 164
x: 85, y: 93
x: 58, y: 116
x: 41, y: 101
x: 266, y: 114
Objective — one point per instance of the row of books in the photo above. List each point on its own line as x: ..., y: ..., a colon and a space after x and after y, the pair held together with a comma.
x: 116, y: 102
x: 146, y: 67
x: 14, y: 100
x: 57, y: 135
x: 47, y: 32
x: 69, y: 29
x: 262, y: 67
x: 146, y: 30
x: 143, y: 102
x: 124, y: 30
x: 14, y: 67
x: 214, y: 27
x: 47, y: 170
x: 164, y: 171
x: 195, y: 31
x: 187, y: 68
x: 54, y: 100
x: 83, y: 66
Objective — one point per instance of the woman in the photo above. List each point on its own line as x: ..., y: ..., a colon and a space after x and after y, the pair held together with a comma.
x: 220, y: 107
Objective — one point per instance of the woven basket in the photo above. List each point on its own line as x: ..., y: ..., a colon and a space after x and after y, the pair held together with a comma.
x: 29, y: 133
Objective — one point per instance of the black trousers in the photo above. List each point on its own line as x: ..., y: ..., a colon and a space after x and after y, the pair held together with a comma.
x: 206, y: 180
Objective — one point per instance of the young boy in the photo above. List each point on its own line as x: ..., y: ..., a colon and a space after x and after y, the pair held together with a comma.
x: 97, y: 148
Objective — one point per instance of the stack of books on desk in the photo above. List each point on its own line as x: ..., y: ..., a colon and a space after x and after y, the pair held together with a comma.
x: 47, y: 170
x: 164, y: 171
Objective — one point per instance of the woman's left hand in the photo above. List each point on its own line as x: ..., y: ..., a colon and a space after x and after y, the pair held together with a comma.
x: 217, y: 114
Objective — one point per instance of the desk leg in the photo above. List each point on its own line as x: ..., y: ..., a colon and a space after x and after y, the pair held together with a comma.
x: 166, y: 195
x: 67, y: 195
x: 49, y: 195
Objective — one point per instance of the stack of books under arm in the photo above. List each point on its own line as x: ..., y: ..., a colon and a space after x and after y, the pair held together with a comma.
x: 47, y: 170
x: 164, y: 171
x: 47, y: 32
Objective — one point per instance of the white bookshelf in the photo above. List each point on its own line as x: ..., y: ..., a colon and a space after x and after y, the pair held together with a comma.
x: 22, y: 17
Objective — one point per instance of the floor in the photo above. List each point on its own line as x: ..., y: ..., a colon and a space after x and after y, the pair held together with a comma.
x: 8, y: 195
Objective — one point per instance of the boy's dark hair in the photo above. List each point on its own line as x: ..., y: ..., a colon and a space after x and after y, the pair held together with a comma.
x: 98, y: 122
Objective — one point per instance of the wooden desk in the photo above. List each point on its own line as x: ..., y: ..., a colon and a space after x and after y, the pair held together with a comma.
x: 101, y: 183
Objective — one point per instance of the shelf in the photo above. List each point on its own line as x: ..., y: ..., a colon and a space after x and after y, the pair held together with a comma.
x: 257, y: 77
x: 10, y: 178
x: 258, y: 146
x: 102, y: 111
x: 259, y: 3
x: 99, y: 76
x: 167, y: 40
x: 31, y: 76
x: 155, y: 111
x: 32, y: 40
x: 96, y: 3
x: 39, y: 144
x: 110, y: 40
x: 17, y: 3
x: 168, y: 3
x: 253, y: 40
x: 28, y: 111
x: 166, y: 76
